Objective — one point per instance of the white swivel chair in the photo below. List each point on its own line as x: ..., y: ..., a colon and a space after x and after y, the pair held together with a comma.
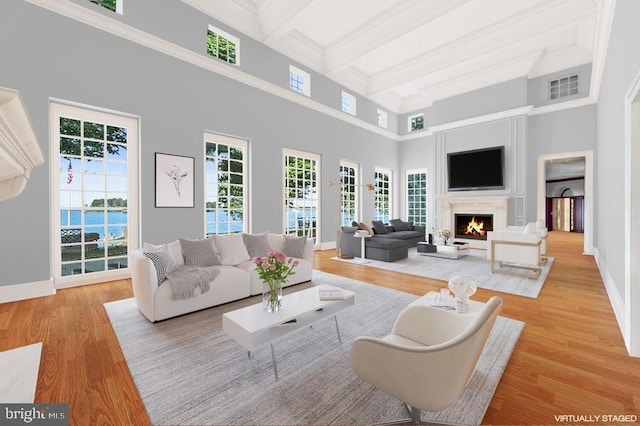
x: 429, y: 357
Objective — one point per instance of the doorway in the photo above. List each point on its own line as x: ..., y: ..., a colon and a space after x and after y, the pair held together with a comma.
x: 565, y: 181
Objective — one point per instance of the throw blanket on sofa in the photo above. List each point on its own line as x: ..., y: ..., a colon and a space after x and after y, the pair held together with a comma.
x: 186, y: 279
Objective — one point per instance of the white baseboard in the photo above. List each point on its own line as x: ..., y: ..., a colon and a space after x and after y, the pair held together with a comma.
x: 617, y: 301
x: 327, y: 245
x: 12, y: 293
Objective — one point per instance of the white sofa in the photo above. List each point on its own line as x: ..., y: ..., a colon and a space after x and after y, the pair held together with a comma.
x: 521, y: 247
x: 237, y: 278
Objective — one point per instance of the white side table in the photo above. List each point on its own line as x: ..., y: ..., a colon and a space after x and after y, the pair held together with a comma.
x: 362, y: 239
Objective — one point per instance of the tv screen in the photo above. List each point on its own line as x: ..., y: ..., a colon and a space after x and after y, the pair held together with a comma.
x: 479, y: 169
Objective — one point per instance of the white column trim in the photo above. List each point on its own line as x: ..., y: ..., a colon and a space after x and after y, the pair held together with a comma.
x: 630, y: 326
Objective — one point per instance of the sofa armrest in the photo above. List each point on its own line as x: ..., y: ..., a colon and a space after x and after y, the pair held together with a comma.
x: 145, y: 283
x: 308, y: 250
x: 422, y: 229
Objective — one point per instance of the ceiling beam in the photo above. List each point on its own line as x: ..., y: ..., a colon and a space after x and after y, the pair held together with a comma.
x: 238, y: 14
x: 476, y: 44
x: 401, y: 18
x: 279, y: 17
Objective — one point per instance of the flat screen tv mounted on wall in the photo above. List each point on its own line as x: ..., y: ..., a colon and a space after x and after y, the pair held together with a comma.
x: 479, y: 169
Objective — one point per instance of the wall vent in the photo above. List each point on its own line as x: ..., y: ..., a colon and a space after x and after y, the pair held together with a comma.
x: 563, y: 87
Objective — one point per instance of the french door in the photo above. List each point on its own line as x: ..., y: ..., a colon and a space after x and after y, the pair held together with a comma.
x: 94, y: 194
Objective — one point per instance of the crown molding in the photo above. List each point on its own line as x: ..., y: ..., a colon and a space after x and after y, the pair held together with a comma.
x: 234, y: 13
x: 603, y: 32
x: 560, y: 106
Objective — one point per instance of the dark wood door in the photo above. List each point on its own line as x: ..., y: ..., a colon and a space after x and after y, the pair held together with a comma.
x: 565, y: 214
x: 577, y: 214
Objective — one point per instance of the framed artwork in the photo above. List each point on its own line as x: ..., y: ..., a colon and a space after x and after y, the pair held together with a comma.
x: 175, y: 183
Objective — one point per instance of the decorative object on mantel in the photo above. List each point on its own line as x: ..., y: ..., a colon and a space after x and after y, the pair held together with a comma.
x: 19, y: 148
x: 274, y: 270
x: 463, y: 288
x: 341, y: 185
x: 445, y: 235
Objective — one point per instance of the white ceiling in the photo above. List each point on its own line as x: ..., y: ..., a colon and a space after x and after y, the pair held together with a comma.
x: 406, y: 54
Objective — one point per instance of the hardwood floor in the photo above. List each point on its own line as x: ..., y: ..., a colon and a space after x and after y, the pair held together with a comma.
x: 570, y: 360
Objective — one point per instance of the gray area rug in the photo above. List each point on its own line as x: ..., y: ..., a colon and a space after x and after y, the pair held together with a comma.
x: 474, y: 266
x: 189, y: 372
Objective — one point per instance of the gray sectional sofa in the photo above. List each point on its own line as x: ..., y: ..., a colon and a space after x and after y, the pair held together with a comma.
x: 387, y: 243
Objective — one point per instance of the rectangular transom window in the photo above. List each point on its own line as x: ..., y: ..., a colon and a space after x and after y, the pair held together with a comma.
x: 417, y: 196
x: 95, y: 184
x: 416, y: 122
x: 383, y: 119
x: 301, y: 193
x: 563, y: 87
x: 299, y: 81
x: 382, y: 202
x: 112, y: 5
x: 349, y: 188
x: 226, y: 209
x: 223, y: 46
x: 348, y: 103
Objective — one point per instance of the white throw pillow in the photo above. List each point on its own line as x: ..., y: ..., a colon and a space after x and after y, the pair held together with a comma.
x: 162, y: 261
x: 175, y: 249
x: 231, y: 249
x: 530, y: 228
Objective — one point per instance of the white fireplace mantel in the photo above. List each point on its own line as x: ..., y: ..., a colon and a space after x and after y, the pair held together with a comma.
x: 494, y: 205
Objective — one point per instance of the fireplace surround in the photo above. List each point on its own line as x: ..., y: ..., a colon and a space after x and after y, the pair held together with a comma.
x: 496, y: 206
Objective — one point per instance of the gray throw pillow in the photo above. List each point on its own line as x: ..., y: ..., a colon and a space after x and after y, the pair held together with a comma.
x: 379, y: 227
x: 199, y: 252
x: 294, y: 246
x: 162, y: 261
x: 399, y: 225
x: 257, y: 244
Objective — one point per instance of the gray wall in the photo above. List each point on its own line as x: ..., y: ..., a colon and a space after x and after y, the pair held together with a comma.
x: 499, y: 97
x: 185, y: 26
x: 538, y: 88
x: 557, y: 132
x: 48, y: 56
x: 621, y: 67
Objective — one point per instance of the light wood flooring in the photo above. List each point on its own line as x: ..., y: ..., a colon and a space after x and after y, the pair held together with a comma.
x: 570, y: 359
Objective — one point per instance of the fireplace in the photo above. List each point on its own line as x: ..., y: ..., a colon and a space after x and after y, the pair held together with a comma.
x: 473, y: 226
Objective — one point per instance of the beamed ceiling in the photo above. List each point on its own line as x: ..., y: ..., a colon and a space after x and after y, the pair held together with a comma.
x: 406, y: 54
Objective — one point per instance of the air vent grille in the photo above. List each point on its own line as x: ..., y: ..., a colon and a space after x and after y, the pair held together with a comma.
x: 563, y: 87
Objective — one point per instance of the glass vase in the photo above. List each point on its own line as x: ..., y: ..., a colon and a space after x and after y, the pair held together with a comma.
x: 463, y: 288
x: 272, y: 295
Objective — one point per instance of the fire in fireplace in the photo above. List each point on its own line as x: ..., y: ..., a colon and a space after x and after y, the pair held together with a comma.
x: 473, y: 226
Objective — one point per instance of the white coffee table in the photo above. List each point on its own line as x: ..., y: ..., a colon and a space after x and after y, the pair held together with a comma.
x: 254, y: 327
x: 449, y: 251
